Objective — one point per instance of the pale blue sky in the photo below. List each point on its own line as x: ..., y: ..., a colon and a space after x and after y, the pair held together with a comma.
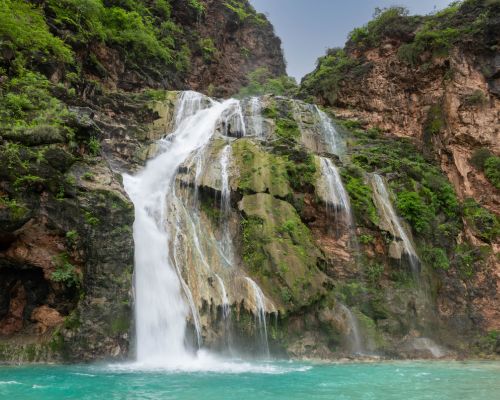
x: 308, y: 27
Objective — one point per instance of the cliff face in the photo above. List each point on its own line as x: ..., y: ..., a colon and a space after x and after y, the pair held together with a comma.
x: 70, y: 123
x: 435, y: 81
x: 445, y: 95
x: 203, y: 45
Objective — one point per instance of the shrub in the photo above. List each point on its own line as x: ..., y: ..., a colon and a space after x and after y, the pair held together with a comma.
x: 492, y: 170
x: 65, y: 272
x: 94, y: 146
x: 436, y: 257
x: 261, y: 81
x: 485, y: 224
x: 479, y: 157
x: 207, y: 49
x: 326, y: 79
x: 414, y: 210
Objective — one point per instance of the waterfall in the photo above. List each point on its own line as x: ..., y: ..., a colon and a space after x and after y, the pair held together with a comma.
x: 226, y: 242
x: 388, y: 214
x: 331, y: 135
x: 226, y: 311
x: 338, y: 198
x: 260, y: 315
x: 160, y: 306
x: 233, y: 121
x: 189, y: 104
x: 256, y: 117
x: 355, y: 340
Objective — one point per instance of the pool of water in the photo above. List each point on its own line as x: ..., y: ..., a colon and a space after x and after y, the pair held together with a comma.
x: 266, y: 380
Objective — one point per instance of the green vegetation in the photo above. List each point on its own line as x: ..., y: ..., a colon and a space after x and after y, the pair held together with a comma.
x: 94, y: 146
x: 65, y: 272
x: 435, y: 120
x: 327, y: 78
x: 388, y: 22
x: 24, y: 31
x: 360, y: 194
x: 208, y: 49
x: 17, y: 209
x: 424, y: 197
x: 245, y: 13
x: 492, y: 170
x: 261, y: 81
x: 485, y: 224
x: 484, y: 160
x: 279, y: 250
x: 91, y: 219
x: 436, y: 258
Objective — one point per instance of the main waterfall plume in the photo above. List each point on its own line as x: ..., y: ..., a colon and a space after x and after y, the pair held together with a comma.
x: 161, y: 310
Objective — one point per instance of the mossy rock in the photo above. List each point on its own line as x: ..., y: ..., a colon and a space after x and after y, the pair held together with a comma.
x: 260, y: 172
x: 278, y: 249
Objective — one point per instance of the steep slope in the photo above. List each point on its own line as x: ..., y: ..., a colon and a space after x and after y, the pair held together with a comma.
x: 69, y: 71
x: 433, y: 80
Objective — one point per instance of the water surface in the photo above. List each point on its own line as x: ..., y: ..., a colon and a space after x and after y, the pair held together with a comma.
x: 262, y: 381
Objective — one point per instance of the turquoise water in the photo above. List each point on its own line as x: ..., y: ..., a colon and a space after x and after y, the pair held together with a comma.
x: 286, y: 380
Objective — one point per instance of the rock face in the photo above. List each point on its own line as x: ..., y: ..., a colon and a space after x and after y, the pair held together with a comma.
x: 66, y: 246
x: 217, y: 43
x: 450, y: 103
x: 393, y: 78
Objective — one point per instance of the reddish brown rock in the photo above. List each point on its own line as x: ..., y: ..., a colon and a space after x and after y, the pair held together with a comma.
x: 46, y: 318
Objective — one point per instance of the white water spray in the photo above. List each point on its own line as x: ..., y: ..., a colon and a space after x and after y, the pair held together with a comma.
x: 256, y: 118
x: 355, y: 340
x: 260, y: 315
x: 226, y: 242
x: 160, y: 306
x: 330, y: 133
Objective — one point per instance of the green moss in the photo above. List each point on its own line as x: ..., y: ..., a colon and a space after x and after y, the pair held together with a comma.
x: 360, y: 194
x: 121, y: 324
x: 260, y: 171
x: 279, y: 250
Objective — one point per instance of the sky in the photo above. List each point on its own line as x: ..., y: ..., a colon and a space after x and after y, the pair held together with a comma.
x: 308, y: 27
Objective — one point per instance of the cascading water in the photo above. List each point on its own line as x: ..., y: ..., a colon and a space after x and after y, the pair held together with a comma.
x: 233, y: 121
x: 338, y: 198
x: 225, y: 300
x: 355, y: 339
x: 161, y: 309
x: 226, y: 242
x: 260, y: 315
x: 256, y: 117
x: 331, y: 135
x: 384, y: 203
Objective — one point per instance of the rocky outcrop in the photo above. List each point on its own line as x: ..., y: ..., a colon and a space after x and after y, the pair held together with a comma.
x: 448, y: 102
